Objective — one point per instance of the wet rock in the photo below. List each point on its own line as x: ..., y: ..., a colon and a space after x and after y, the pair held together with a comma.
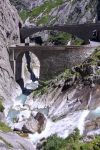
x: 96, y: 79
x: 39, y: 146
x: 41, y: 143
x: 88, y: 138
x: 41, y: 121
x: 35, y: 124
x: 68, y: 83
x: 86, y: 70
x: 31, y: 126
x: 2, y: 117
x: 88, y: 80
x: 92, y: 125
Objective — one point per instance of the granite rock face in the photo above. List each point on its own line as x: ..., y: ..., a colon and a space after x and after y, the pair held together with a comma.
x: 12, y: 141
x: 9, y: 34
x: 60, y: 12
x: 75, y: 12
x: 27, y: 4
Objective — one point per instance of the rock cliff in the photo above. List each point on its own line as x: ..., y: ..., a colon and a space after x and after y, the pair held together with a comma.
x: 9, y: 34
x: 71, y: 97
x: 61, y: 11
x: 26, y: 4
x: 58, y: 12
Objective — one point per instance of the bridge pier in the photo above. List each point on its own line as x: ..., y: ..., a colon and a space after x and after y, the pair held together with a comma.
x: 12, y: 61
x: 18, y: 67
x: 16, y: 64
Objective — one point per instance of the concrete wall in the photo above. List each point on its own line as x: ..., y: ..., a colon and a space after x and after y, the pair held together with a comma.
x: 53, y: 60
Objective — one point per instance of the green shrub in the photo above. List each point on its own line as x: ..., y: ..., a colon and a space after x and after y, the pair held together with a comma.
x: 72, y: 142
x: 97, y: 54
x: 77, y: 41
x: 54, y: 143
x: 4, y: 127
x: 74, y: 137
x: 44, y: 8
x: 1, y: 106
x: 61, y: 36
x: 57, y: 143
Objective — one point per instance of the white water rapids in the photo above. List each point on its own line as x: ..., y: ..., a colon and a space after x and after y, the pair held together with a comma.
x: 62, y: 127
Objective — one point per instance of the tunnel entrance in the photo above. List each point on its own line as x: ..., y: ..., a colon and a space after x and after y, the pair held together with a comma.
x: 27, y: 71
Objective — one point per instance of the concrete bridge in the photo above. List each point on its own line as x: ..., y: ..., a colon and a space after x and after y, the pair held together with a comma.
x: 53, y: 59
x: 83, y: 31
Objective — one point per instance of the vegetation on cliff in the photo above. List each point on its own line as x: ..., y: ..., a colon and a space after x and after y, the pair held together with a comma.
x: 73, y: 142
x: 44, y: 9
x: 70, y: 77
x: 1, y: 106
x: 63, y: 38
x: 4, y: 127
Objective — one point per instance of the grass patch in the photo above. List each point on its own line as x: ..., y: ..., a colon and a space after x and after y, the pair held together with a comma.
x: 46, y: 85
x: 43, y: 88
x: 77, y: 41
x: 40, y: 91
x: 44, y: 8
x: 64, y: 37
x: 67, y: 73
x: 43, y: 20
x: 94, y: 58
x: 61, y: 36
x: 4, y: 127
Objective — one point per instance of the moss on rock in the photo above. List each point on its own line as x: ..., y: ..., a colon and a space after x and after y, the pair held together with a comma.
x: 1, y: 106
x: 4, y: 127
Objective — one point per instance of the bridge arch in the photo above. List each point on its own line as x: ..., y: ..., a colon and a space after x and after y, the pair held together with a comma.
x: 27, y: 67
x: 53, y: 59
x: 83, y: 31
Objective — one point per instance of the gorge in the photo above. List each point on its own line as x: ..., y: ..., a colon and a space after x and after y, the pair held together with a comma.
x: 65, y: 104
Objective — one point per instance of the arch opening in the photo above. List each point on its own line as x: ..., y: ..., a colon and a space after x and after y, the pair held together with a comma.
x: 27, y: 71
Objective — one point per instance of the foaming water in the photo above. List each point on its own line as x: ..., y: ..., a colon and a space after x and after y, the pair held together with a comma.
x: 89, y: 101
x: 94, y: 113
x: 59, y: 119
x: 62, y: 127
x: 18, y: 110
x: 82, y: 120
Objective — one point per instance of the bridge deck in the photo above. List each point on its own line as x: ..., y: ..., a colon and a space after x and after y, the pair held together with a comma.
x: 46, y: 48
x: 83, y: 31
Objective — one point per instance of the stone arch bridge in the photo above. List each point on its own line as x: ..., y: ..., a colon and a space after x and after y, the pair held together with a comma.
x: 53, y: 59
x: 83, y: 31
